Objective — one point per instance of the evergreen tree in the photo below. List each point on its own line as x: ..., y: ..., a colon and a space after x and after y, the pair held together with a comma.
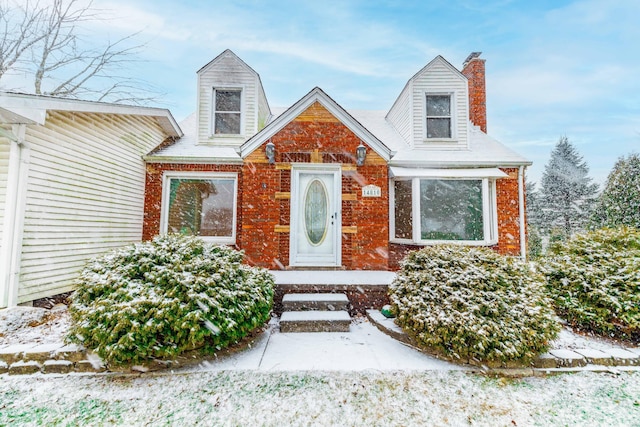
x: 619, y: 203
x: 534, y: 220
x: 534, y: 211
x: 567, y: 193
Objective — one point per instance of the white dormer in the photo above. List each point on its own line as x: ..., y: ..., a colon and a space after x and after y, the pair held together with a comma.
x: 432, y: 111
x: 232, y: 106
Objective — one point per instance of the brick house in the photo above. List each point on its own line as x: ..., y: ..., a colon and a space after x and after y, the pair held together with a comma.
x: 318, y: 187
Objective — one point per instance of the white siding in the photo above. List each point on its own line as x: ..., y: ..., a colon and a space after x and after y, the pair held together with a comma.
x: 227, y: 71
x: 440, y: 78
x: 4, y: 169
x: 400, y: 114
x: 263, y: 108
x: 85, y: 194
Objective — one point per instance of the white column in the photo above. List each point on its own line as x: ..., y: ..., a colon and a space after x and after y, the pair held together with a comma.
x: 523, y: 222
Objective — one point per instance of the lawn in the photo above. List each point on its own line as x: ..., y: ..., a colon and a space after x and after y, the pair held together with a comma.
x: 251, y: 398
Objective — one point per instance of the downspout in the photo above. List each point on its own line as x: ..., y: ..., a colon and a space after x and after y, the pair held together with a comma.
x: 523, y: 223
x: 10, y: 253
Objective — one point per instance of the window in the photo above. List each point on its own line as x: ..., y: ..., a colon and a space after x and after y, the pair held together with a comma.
x: 201, y: 205
x: 444, y: 210
x: 438, y: 117
x: 227, y: 111
x: 402, y: 214
x: 451, y: 210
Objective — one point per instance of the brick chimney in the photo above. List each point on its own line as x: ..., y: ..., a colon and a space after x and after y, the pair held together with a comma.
x: 473, y: 70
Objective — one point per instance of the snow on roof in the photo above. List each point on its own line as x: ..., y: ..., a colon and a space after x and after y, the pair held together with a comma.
x: 28, y: 108
x: 483, y: 150
x: 187, y: 148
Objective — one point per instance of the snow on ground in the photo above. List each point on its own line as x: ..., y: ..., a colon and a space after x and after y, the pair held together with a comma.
x: 568, y: 339
x: 358, y: 378
x: 24, y: 325
x: 451, y: 398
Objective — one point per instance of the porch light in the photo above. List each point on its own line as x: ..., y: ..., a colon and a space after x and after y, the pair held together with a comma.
x: 361, y: 153
x: 270, y: 151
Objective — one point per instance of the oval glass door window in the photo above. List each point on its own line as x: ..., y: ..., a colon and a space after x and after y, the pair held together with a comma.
x: 315, y: 212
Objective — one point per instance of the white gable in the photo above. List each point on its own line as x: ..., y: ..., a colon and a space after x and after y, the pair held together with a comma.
x: 408, y: 116
x: 227, y: 71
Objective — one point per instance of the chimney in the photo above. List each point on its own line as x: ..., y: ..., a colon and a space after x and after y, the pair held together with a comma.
x: 473, y: 70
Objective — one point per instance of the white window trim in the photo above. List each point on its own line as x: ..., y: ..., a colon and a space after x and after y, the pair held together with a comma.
x: 166, y: 189
x: 454, y: 119
x: 489, y: 213
x: 212, y: 119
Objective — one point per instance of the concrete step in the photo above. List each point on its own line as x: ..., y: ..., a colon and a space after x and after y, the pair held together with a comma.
x: 315, y: 321
x: 315, y: 301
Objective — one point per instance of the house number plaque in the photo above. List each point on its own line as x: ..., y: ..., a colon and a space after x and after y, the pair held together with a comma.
x: 371, y: 191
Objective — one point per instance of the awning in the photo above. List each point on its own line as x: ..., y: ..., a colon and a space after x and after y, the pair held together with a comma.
x: 400, y: 172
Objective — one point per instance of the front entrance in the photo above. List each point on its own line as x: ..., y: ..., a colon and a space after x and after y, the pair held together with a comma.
x: 315, y: 216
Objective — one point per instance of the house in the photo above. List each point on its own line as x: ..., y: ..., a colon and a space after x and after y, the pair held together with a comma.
x: 72, y: 182
x: 318, y: 187
x: 310, y: 189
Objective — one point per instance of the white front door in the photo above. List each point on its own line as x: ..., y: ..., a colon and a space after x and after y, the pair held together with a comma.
x: 315, y: 217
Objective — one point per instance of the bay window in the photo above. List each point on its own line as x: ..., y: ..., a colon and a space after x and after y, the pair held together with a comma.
x: 443, y: 209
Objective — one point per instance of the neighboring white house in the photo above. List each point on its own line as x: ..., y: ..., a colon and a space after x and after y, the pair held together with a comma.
x: 72, y: 182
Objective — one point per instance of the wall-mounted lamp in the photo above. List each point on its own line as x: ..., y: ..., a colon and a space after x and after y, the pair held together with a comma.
x: 361, y: 153
x: 270, y: 152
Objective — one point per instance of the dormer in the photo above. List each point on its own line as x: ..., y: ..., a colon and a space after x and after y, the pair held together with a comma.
x: 232, y: 106
x: 432, y: 111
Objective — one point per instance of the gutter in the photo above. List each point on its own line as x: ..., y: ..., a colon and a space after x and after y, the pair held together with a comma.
x: 14, y: 217
x: 523, y: 223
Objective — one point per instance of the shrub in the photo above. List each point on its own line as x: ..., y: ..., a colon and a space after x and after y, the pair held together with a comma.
x: 472, y: 303
x: 160, y: 298
x: 594, y: 278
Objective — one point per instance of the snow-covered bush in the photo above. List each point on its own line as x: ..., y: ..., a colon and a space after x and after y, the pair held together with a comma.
x: 472, y: 303
x: 160, y: 298
x: 594, y: 278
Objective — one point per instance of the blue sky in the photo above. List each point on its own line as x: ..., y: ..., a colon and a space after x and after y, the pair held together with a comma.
x: 553, y: 67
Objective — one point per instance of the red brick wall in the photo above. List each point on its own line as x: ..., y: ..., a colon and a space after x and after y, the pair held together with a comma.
x: 264, y: 204
x: 153, y: 192
x: 508, y: 213
x: 315, y: 136
x: 474, y: 71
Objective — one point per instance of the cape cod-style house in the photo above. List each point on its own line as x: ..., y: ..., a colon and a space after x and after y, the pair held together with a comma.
x: 317, y: 186
x: 311, y: 189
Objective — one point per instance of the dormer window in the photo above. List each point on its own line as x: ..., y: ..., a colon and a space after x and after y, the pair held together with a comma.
x: 227, y: 111
x: 438, y: 116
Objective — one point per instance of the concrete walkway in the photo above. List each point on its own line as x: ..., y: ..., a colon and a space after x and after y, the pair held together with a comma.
x: 363, y: 348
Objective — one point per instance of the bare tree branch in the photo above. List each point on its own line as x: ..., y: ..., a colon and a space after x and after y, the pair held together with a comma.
x: 45, y: 42
x: 20, y: 31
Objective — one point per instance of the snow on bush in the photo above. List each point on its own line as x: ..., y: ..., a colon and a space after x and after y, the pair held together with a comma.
x: 472, y: 303
x: 160, y: 298
x: 594, y: 278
